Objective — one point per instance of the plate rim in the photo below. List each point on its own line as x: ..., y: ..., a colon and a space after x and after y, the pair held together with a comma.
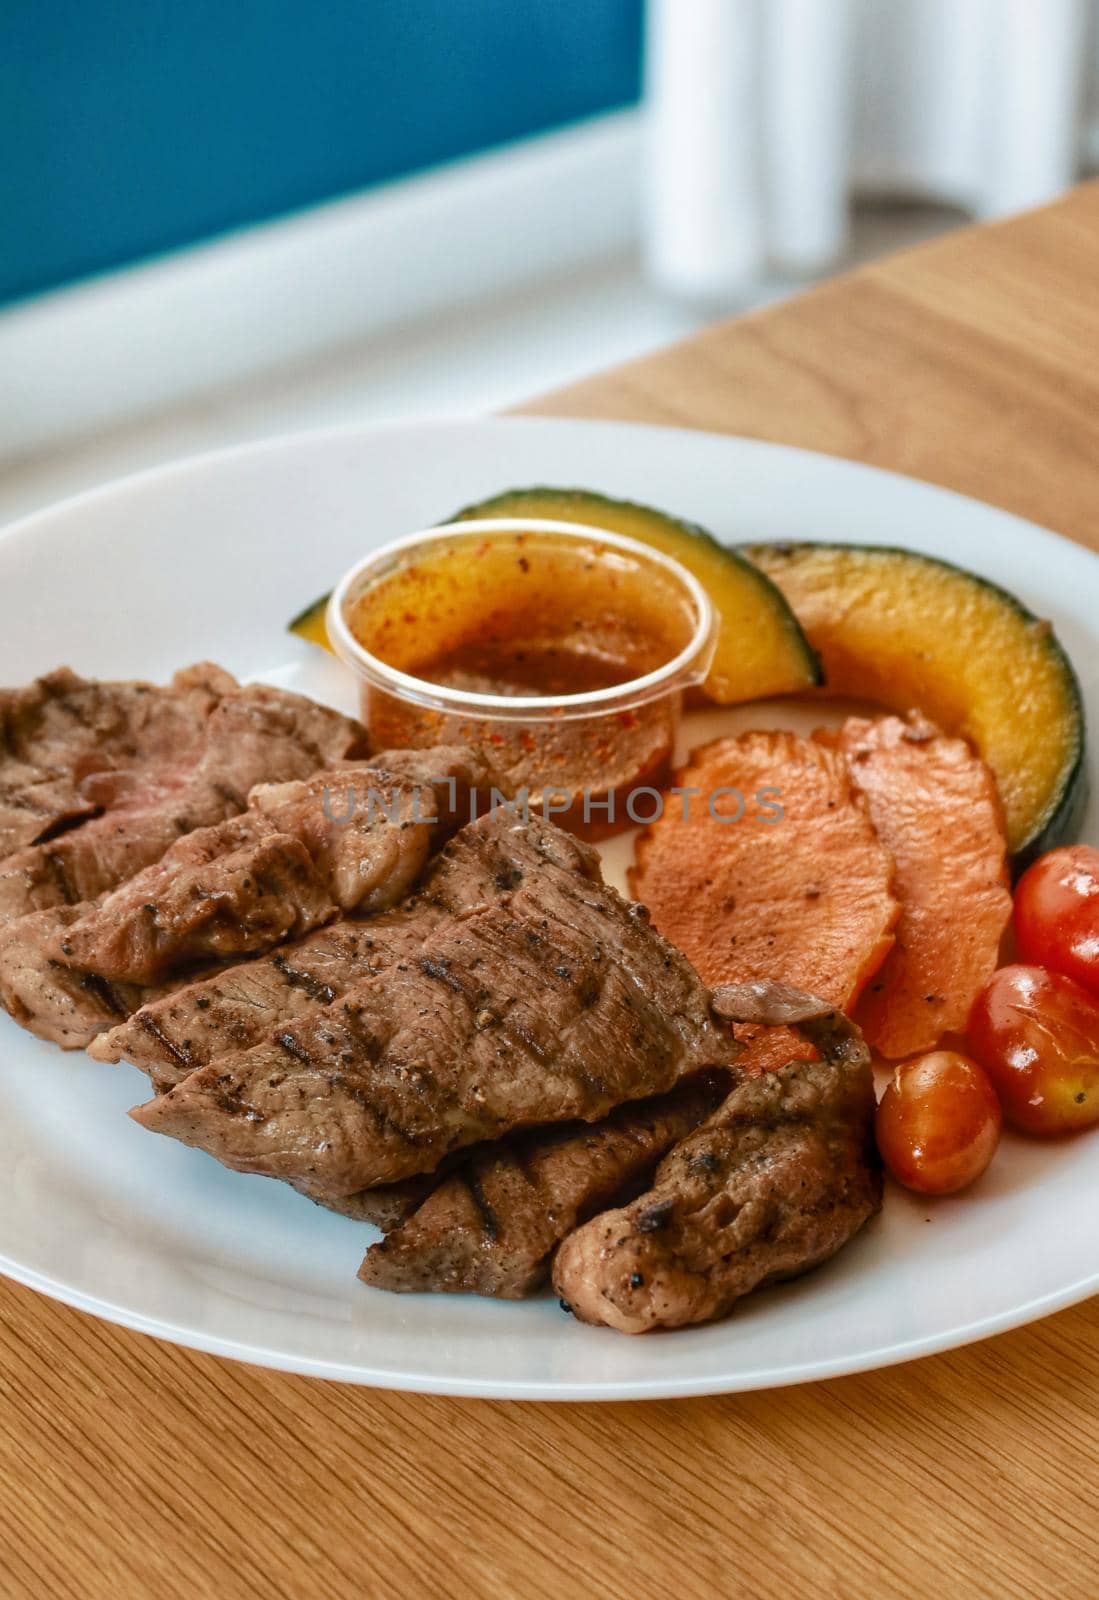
x: 753, y: 1380
x: 183, y: 466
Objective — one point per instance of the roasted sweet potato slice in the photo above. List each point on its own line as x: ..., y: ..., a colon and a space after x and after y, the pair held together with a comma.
x: 797, y: 890
x: 935, y: 806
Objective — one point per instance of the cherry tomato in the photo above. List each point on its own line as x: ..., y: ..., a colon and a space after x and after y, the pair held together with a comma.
x: 938, y: 1123
x: 1036, y: 1033
x: 1057, y: 913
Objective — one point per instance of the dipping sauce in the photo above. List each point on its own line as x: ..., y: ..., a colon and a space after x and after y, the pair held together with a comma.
x: 560, y: 651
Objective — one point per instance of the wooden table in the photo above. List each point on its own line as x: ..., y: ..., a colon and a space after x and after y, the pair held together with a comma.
x: 128, y: 1468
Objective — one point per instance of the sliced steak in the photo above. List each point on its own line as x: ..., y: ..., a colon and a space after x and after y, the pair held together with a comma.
x: 492, y: 1227
x: 385, y: 1207
x: 551, y: 1001
x: 66, y: 743
x: 250, y: 737
x: 779, y: 1179
x: 368, y: 832
x: 352, y: 838
x: 237, y: 888
x: 370, y: 826
x: 458, y: 776
x: 47, y: 996
x: 241, y: 1005
x: 218, y: 894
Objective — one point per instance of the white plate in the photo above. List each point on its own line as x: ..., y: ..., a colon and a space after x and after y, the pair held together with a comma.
x: 208, y: 559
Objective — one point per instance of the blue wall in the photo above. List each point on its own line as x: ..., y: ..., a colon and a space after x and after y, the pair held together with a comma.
x: 129, y: 127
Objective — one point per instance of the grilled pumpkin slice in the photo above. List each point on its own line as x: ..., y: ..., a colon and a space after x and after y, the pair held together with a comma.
x: 310, y: 624
x: 761, y: 648
x: 910, y: 631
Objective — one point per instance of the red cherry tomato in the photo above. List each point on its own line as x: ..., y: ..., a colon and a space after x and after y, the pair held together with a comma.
x: 938, y: 1123
x: 1036, y: 1033
x: 1057, y: 913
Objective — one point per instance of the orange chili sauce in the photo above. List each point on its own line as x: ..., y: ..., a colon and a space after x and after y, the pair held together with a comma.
x: 530, y: 614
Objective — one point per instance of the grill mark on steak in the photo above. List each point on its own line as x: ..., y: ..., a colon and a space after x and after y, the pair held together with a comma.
x: 55, y: 866
x: 399, y: 1073
x: 179, y: 1054
x: 299, y: 1052
x: 298, y: 978
x: 244, y: 1005
x: 783, y: 1174
x: 440, y: 970
x: 57, y: 827
x: 105, y: 992
x: 492, y: 1226
x: 282, y: 868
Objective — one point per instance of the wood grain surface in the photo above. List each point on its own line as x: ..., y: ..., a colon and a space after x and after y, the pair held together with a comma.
x: 972, y: 362
x: 129, y: 1468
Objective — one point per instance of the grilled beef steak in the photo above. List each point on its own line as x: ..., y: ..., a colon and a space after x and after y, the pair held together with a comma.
x: 45, y: 890
x: 552, y: 1001
x: 350, y: 838
x: 47, y: 996
x: 385, y: 1207
x: 370, y: 826
x: 491, y: 1228
x: 779, y: 1179
x: 251, y: 736
x: 216, y: 895
x: 492, y: 1048
x: 68, y: 745
x: 232, y: 890
x: 239, y: 1006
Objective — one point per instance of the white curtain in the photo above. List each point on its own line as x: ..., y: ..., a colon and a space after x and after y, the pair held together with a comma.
x: 764, y: 116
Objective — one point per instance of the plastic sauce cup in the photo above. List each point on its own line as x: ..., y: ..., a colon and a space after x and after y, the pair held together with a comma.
x: 560, y: 651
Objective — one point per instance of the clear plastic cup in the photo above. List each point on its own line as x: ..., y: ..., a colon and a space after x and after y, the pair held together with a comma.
x: 561, y: 652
